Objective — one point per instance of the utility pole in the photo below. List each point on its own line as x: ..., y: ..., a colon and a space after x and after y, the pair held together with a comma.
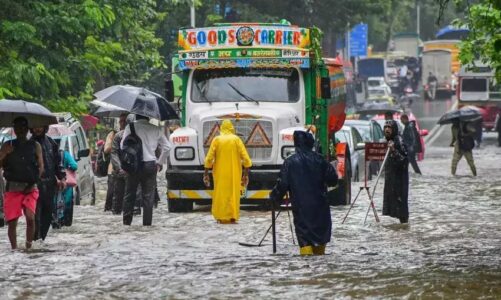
x: 418, y: 18
x: 192, y: 13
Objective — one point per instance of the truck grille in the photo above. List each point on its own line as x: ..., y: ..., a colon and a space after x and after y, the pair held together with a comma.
x: 257, y: 136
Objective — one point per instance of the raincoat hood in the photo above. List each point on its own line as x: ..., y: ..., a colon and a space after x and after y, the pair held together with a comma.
x: 394, y: 127
x: 227, y: 127
x: 303, y: 140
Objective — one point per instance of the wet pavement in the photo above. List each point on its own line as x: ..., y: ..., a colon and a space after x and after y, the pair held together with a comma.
x: 450, y: 250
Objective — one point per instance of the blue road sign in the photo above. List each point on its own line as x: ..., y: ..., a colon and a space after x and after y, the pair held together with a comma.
x: 358, y: 40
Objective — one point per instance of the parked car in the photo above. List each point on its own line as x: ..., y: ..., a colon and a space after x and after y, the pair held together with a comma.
x: 371, y: 132
x: 79, y: 147
x: 356, y: 145
x: 422, y: 132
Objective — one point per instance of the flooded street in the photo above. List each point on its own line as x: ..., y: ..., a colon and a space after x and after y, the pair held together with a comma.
x: 451, y: 249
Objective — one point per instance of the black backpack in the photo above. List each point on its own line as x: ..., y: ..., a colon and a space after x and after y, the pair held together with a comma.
x: 102, y: 163
x: 466, y: 141
x: 131, y: 155
x: 21, y: 165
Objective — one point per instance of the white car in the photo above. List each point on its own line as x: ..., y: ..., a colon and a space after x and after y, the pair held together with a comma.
x: 352, y: 137
x: 79, y: 149
x: 379, y: 83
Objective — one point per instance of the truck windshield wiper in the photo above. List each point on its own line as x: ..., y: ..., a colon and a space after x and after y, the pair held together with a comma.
x: 242, y: 94
x: 202, y: 94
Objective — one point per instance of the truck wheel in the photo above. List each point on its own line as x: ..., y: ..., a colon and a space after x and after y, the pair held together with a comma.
x: 177, y: 206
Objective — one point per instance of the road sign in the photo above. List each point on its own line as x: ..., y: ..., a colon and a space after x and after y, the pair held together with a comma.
x: 375, y: 151
x: 358, y: 40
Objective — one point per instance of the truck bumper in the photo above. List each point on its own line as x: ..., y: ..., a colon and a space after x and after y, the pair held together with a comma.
x: 188, y: 185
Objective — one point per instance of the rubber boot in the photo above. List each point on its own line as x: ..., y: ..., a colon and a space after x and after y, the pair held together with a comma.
x: 306, y: 250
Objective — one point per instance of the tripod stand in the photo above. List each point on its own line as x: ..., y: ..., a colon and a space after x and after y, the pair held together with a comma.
x: 369, y: 195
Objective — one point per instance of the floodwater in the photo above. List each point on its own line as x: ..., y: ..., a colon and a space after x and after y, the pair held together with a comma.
x: 450, y: 250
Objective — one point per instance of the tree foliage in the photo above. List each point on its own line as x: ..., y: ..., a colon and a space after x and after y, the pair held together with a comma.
x: 483, y: 18
x: 58, y: 52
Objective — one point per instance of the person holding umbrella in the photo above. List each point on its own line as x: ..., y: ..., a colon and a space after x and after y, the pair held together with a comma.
x: 463, y: 143
x: 152, y: 137
x: 23, y: 165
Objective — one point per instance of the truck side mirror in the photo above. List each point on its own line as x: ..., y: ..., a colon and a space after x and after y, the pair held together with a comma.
x: 169, y: 90
x: 325, y: 87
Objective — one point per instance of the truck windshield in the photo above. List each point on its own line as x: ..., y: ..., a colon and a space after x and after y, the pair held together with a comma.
x: 474, y: 85
x: 245, y: 84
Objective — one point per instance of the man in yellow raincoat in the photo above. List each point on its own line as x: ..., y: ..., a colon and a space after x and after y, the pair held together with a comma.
x: 226, y: 156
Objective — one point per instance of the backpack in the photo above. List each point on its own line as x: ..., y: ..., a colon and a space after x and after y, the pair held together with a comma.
x: 131, y: 155
x: 466, y: 141
x: 102, y: 163
x: 21, y: 165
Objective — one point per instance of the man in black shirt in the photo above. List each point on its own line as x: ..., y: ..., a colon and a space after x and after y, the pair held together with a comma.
x: 53, y: 178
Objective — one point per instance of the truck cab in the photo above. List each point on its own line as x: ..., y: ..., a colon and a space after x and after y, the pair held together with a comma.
x: 261, y: 77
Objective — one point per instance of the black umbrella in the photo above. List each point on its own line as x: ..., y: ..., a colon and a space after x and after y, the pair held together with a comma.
x: 376, y: 108
x: 36, y: 114
x: 136, y: 100
x: 465, y: 113
x: 110, y: 111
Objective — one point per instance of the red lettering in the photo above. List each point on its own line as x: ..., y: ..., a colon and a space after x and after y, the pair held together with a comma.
x: 231, y: 36
x: 278, y: 37
x: 212, y: 37
x: 180, y: 139
x: 192, y: 39
x: 256, y: 36
x: 296, y: 38
x: 287, y: 138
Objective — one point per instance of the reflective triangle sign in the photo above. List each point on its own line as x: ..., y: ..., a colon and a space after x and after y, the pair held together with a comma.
x: 212, y: 134
x: 258, y: 138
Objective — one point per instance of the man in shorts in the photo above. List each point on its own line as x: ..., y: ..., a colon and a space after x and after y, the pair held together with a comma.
x: 22, y: 162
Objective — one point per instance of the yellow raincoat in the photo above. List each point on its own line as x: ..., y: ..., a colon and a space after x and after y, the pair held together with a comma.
x: 226, y: 156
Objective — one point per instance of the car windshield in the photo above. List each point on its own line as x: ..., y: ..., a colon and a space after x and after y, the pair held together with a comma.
x: 245, y: 84
x: 374, y: 83
x: 378, y: 92
x: 343, y: 137
x: 365, y: 132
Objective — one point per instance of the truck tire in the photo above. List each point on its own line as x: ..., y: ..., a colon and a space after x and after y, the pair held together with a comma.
x: 178, y: 206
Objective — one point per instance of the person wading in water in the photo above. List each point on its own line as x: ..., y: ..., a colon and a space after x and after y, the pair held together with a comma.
x: 23, y: 165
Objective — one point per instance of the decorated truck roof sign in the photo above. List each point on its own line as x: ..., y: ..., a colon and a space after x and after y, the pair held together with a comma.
x: 244, y: 46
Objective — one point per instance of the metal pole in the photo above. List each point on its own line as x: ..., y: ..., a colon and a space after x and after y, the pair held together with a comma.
x: 192, y: 13
x: 418, y: 18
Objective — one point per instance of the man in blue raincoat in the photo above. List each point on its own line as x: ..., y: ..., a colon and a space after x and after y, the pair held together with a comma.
x: 306, y: 175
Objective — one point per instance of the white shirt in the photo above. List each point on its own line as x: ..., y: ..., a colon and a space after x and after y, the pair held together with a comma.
x: 151, y: 137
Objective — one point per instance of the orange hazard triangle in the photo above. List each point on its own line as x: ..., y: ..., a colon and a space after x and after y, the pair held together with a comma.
x: 212, y: 134
x: 258, y: 138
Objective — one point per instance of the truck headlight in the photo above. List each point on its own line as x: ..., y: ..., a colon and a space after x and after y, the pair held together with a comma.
x: 288, y: 151
x: 184, y: 153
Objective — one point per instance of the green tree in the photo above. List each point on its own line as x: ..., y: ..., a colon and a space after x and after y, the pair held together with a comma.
x: 483, y: 18
x: 59, y: 52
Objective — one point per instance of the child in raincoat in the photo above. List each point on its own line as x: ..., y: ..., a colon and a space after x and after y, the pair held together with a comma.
x: 226, y: 156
